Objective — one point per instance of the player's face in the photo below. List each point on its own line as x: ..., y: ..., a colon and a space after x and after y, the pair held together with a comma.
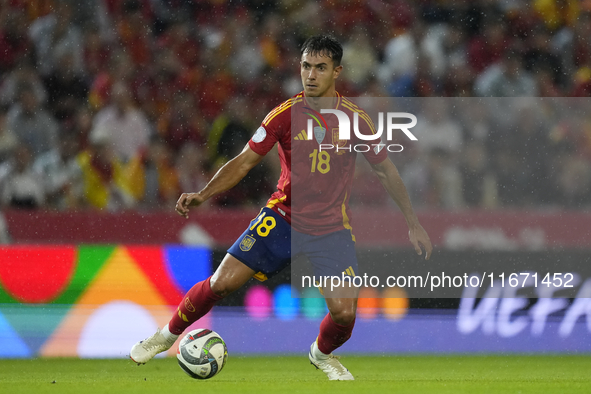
x: 318, y: 75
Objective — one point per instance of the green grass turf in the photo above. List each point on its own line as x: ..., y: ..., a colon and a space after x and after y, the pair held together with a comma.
x: 404, y: 374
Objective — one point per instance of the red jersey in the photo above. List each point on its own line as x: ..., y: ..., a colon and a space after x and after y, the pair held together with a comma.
x: 315, y: 183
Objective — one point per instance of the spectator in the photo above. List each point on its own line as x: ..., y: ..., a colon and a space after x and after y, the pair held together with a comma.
x: 81, y: 127
x: 192, y: 167
x: 21, y: 186
x: 476, y: 119
x: 573, y: 43
x: 359, y: 57
x: 168, y: 13
x: 31, y: 123
x: 247, y: 62
x: 162, y: 178
x: 539, y: 56
x: 123, y: 125
x: 402, y: 52
x: 574, y: 182
x: 120, y: 68
x: 558, y: 13
x: 61, y: 174
x: 434, y: 180
x: 66, y: 88
x: 96, y: 52
x: 14, y: 44
x: 454, y: 49
x: 23, y: 74
x: 507, y: 78
x: 545, y: 80
x: 157, y: 97
x: 508, y: 178
x: 474, y: 16
x: 486, y: 49
x: 183, y: 123
x: 270, y: 38
x: 474, y: 171
x: 438, y: 129
x: 229, y: 133
x: 179, y: 38
x: 528, y: 137
x: 8, y: 140
x: 445, y: 181
x: 458, y: 76
x: 55, y: 35
x: 108, y: 184
x: 418, y: 84
x: 134, y: 31
x: 458, y: 81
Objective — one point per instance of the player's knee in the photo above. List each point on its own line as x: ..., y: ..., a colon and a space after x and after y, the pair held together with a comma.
x: 343, y: 317
x: 220, y: 288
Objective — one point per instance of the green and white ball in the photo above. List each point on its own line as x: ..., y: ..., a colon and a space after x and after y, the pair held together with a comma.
x: 202, y: 353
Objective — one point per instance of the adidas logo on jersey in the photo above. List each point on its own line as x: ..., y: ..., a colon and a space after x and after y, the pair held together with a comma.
x: 303, y: 136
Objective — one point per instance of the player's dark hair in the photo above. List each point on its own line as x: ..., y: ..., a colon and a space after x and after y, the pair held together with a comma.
x: 325, y: 45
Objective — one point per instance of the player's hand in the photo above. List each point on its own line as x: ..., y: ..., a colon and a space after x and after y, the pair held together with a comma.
x: 419, y: 238
x: 187, y: 200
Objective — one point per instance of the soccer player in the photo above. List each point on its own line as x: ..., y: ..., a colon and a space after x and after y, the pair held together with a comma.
x: 319, y: 229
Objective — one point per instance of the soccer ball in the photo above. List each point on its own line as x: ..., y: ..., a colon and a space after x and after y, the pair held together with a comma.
x: 202, y: 353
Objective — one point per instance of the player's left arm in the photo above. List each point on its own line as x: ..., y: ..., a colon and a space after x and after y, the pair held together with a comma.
x: 390, y: 178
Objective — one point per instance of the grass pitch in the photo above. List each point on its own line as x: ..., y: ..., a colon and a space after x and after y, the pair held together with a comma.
x: 404, y: 374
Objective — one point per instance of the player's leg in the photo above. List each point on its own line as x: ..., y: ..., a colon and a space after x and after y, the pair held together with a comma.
x: 230, y: 276
x: 337, y: 325
x: 335, y: 329
x: 334, y: 255
x: 263, y: 248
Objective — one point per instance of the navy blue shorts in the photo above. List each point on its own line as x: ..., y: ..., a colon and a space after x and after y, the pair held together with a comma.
x: 266, y: 247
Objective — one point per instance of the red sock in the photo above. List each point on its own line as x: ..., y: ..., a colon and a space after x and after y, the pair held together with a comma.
x: 195, y: 304
x: 333, y: 335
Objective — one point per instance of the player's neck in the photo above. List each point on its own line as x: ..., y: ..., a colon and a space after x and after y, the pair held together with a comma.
x: 317, y: 103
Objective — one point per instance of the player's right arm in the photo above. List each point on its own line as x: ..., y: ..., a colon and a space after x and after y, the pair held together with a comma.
x: 267, y: 135
x: 226, y: 178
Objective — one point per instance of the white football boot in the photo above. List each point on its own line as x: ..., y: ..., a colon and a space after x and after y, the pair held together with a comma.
x: 331, y: 366
x: 145, y: 350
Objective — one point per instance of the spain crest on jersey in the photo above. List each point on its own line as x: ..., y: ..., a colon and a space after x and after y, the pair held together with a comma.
x: 246, y: 243
x: 338, y: 143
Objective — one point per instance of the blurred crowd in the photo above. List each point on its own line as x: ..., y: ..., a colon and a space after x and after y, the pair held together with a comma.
x: 123, y: 104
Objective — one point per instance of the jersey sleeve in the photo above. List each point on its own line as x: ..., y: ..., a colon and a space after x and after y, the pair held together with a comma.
x: 264, y: 138
x: 276, y: 127
x: 378, y: 152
